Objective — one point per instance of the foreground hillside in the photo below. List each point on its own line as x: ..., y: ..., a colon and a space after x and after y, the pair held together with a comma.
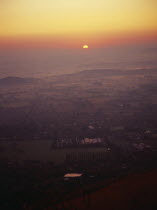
x: 135, y: 192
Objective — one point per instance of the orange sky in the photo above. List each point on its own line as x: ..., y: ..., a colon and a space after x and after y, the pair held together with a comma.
x: 72, y: 23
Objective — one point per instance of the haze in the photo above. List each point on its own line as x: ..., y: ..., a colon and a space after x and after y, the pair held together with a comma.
x: 70, y: 23
x: 78, y: 104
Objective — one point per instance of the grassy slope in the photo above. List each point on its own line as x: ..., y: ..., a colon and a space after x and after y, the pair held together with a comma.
x: 137, y: 191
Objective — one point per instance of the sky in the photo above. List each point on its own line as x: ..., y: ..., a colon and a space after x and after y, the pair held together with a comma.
x: 73, y: 23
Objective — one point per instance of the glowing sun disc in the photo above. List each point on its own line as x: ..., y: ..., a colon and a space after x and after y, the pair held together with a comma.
x: 85, y: 46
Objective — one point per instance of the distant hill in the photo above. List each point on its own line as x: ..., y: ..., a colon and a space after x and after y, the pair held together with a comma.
x: 116, y: 72
x: 17, y: 81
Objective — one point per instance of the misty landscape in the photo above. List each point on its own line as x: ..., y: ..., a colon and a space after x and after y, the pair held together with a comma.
x: 98, y: 124
x: 78, y: 105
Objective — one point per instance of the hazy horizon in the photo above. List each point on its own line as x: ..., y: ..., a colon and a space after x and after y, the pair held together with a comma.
x: 78, y: 104
x: 48, y: 62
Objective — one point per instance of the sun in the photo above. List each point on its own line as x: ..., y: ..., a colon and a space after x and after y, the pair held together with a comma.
x: 85, y: 46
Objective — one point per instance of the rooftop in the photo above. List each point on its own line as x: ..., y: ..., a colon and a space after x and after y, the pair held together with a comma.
x: 72, y: 175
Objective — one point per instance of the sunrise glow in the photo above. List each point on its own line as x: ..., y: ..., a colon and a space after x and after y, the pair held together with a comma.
x: 85, y: 47
x: 67, y: 23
